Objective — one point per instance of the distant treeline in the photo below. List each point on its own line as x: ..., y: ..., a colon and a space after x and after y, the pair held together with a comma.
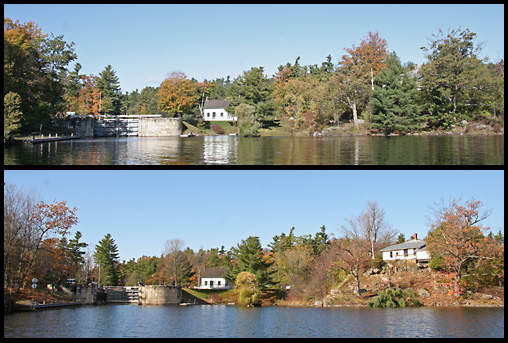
x: 369, y: 82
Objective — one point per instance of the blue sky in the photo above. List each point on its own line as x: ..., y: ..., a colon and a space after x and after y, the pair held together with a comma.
x: 209, y: 208
x: 144, y: 43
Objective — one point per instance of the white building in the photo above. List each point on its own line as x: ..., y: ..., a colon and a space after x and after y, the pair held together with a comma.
x: 214, y: 278
x: 413, y: 250
x: 215, y: 110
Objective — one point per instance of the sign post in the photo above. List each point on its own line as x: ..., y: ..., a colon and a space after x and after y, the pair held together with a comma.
x: 34, y: 286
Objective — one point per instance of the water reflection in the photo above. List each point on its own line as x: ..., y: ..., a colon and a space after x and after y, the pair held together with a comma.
x: 229, y: 321
x: 423, y: 150
x: 220, y: 149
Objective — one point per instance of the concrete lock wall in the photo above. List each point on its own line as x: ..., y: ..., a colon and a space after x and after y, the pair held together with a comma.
x: 159, y: 295
x: 159, y: 127
x: 146, y: 127
x: 86, y: 295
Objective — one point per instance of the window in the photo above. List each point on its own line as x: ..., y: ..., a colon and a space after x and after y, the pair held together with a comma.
x: 391, y: 254
x: 222, y: 114
x: 218, y: 283
x: 206, y: 282
x: 405, y: 252
x: 211, y: 283
x: 213, y: 114
x: 208, y: 114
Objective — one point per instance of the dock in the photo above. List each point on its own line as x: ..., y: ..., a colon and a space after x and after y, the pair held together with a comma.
x: 50, y: 139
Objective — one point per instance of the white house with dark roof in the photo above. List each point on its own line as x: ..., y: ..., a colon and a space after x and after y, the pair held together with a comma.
x: 215, y: 110
x: 412, y: 250
x: 214, y: 278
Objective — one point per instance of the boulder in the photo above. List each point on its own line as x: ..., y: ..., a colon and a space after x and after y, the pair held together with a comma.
x: 423, y: 293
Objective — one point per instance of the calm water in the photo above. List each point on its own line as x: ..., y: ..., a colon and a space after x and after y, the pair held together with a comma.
x: 422, y: 150
x: 230, y: 321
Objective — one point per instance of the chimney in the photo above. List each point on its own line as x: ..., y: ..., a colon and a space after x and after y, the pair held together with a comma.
x: 415, y: 236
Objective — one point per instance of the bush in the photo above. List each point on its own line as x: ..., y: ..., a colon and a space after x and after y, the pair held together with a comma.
x: 378, y: 262
x: 394, y: 298
x: 436, y: 263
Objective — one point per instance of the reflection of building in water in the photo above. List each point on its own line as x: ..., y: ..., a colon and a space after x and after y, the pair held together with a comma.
x: 220, y: 149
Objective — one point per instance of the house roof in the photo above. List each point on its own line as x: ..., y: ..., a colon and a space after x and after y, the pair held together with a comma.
x: 414, y: 243
x: 214, y: 272
x: 216, y: 104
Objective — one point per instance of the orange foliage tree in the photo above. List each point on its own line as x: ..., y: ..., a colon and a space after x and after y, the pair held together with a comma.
x: 457, y: 236
x: 89, y: 96
x: 371, y: 55
x: 178, y: 95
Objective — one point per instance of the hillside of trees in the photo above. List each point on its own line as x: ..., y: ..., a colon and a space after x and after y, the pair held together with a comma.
x: 368, y: 85
x: 38, y: 243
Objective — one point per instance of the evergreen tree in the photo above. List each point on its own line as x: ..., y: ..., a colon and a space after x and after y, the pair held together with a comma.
x: 106, y: 257
x: 394, y: 102
x: 109, y: 86
x: 401, y: 238
x: 253, y: 88
x: 12, y: 114
x: 75, y: 252
x: 249, y: 258
x: 449, y: 76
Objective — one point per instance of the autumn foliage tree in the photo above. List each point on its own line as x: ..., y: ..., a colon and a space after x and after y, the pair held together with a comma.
x: 357, y: 69
x: 27, y: 223
x: 89, y: 96
x: 178, y: 95
x: 457, y: 237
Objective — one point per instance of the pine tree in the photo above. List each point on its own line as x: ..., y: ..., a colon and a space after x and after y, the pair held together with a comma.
x: 394, y: 102
x: 106, y: 256
x: 249, y: 258
x: 109, y: 86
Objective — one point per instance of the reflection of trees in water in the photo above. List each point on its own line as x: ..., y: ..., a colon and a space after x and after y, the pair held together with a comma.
x: 359, y: 150
x: 220, y: 149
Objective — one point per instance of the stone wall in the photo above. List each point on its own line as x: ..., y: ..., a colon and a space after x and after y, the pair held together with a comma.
x: 159, y: 127
x: 160, y: 295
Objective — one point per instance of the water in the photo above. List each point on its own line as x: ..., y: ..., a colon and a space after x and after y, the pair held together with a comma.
x: 419, y: 150
x: 229, y: 321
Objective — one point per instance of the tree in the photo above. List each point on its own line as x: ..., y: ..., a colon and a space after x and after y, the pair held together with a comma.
x: 247, y: 289
x: 34, y: 68
x: 76, y: 254
x: 12, y: 114
x: 457, y: 236
x: 89, y: 100
x: 27, y: 223
x: 371, y: 226
x: 249, y: 257
x: 353, y: 256
x: 401, y: 238
x: 359, y: 66
x: 448, y: 76
x: 247, y: 120
x: 253, y: 88
x: 106, y: 257
x: 350, y: 84
x: 178, y: 95
x: 179, y: 265
x: 395, y: 99
x: 108, y: 85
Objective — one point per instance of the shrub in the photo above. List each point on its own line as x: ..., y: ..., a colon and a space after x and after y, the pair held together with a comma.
x: 436, y: 263
x: 393, y: 298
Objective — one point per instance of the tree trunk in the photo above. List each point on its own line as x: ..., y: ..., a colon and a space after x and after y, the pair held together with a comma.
x: 355, y: 115
x: 372, y: 78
